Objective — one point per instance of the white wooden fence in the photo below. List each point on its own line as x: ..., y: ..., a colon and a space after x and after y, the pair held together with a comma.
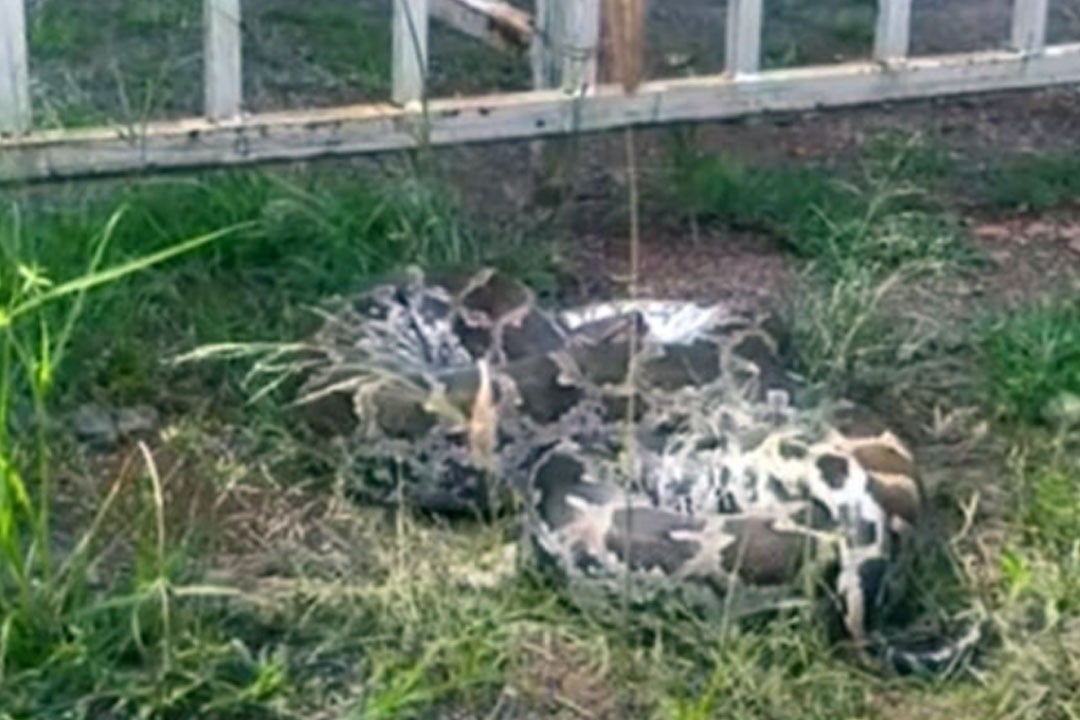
x: 564, y: 37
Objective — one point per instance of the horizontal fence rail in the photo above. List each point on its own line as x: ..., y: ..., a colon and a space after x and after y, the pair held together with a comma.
x: 564, y: 40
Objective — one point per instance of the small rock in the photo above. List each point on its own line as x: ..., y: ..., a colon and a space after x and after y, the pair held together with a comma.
x: 137, y: 420
x: 94, y: 425
x: 1070, y: 232
x: 993, y: 231
x: 1075, y: 245
x: 1039, y: 229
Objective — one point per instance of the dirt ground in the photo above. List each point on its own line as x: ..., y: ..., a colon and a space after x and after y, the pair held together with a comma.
x: 1030, y: 253
x: 680, y: 259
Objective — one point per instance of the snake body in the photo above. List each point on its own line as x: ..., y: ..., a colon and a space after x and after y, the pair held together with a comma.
x: 652, y: 445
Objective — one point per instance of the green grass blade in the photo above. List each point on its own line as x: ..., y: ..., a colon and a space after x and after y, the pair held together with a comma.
x: 110, y: 275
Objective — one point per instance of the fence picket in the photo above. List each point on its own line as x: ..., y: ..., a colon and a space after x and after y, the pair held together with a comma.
x: 743, y: 51
x: 1029, y: 25
x: 410, y: 50
x: 565, y: 48
x: 222, y: 73
x: 567, y: 44
x: 14, y: 72
x: 892, y: 38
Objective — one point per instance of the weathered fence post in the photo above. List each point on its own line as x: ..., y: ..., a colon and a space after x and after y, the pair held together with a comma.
x: 410, y: 50
x: 14, y: 73
x: 222, y: 73
x: 1029, y: 25
x: 566, y: 44
x: 564, y: 55
x: 892, y: 37
x: 743, y: 43
x: 622, y: 42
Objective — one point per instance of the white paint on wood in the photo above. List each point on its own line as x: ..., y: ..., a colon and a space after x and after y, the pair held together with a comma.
x: 545, y: 65
x: 222, y: 74
x: 497, y: 24
x: 375, y: 128
x: 892, y: 38
x: 410, y: 51
x: 583, y: 49
x: 1029, y: 25
x: 743, y: 43
x: 566, y: 45
x: 14, y: 72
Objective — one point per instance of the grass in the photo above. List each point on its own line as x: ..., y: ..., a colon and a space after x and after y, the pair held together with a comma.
x: 58, y: 639
x: 873, y: 252
x: 1040, y: 578
x: 840, y: 30
x: 310, y: 236
x: 119, y: 61
x: 338, y: 51
x: 1032, y: 361
x: 885, y: 218
x: 1053, y: 511
x: 1035, y: 182
x: 864, y: 240
x: 910, y: 157
x: 221, y: 577
x: 152, y: 640
x: 219, y: 572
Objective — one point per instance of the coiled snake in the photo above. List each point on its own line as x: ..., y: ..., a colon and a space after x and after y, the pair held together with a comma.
x: 659, y: 443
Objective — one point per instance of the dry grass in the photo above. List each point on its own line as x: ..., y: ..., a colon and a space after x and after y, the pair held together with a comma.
x: 228, y: 575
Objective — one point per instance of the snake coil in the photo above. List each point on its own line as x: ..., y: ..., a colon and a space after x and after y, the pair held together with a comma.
x: 457, y: 392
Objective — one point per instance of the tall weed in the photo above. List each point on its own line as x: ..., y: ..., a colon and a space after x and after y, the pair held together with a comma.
x: 54, y: 632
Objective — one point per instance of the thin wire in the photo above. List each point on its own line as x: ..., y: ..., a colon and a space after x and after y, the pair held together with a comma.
x: 632, y: 351
x: 635, y: 263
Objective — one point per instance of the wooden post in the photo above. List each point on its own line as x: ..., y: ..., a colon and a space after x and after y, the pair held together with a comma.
x: 564, y: 55
x: 222, y: 74
x: 743, y: 51
x: 892, y: 38
x: 622, y: 43
x: 582, y: 45
x: 566, y: 45
x: 1029, y: 25
x: 410, y: 51
x: 541, y: 58
x: 14, y: 73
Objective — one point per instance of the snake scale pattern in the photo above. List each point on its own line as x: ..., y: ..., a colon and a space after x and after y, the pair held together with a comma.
x: 458, y: 393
